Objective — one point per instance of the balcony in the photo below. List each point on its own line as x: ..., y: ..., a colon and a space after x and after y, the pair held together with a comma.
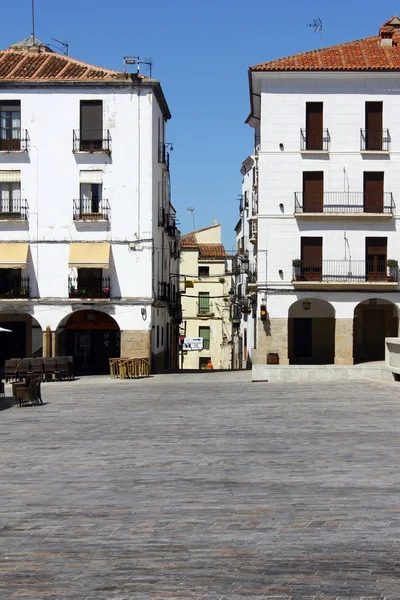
x: 253, y: 231
x: 375, y: 141
x: 314, y: 141
x: 344, y: 205
x: 163, y: 154
x: 168, y: 221
x: 15, y: 288
x: 354, y: 274
x: 86, y: 209
x: 13, y: 139
x: 14, y: 210
x: 89, y: 288
x: 91, y: 140
x: 205, y: 308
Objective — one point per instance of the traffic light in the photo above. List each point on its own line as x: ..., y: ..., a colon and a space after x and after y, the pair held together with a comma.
x: 263, y: 312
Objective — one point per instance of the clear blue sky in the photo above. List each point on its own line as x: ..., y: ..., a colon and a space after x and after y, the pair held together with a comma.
x: 201, y: 50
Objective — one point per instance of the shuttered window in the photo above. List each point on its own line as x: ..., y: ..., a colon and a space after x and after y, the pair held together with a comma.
x: 373, y: 192
x: 311, y: 256
x: 313, y: 191
x: 314, y: 125
x: 373, y: 125
x: 204, y: 332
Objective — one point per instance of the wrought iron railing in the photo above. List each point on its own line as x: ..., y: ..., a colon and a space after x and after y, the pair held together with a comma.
x: 163, y: 154
x: 374, y: 141
x: 87, y: 209
x: 252, y: 275
x: 346, y: 271
x: 80, y: 287
x: 13, y: 139
x: 16, y: 287
x: 204, y: 307
x: 317, y: 141
x: 166, y: 220
x: 13, y: 210
x: 344, y: 202
x: 91, y: 140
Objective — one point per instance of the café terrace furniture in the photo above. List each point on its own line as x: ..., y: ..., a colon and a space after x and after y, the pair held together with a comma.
x: 129, y: 368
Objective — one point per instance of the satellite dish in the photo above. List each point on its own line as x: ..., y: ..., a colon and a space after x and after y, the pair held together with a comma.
x: 215, y: 222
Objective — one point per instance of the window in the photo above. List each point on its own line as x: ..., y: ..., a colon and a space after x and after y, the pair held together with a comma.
x: 373, y: 192
x: 91, y: 125
x: 10, y: 197
x: 314, y: 126
x: 203, y: 361
x: 162, y: 335
x: 90, y: 196
x: 204, y: 332
x: 204, y: 302
x: 10, y: 282
x: 158, y: 335
x: 373, y: 125
x: 376, y: 257
x: 204, y: 271
x: 311, y: 257
x: 10, y: 125
x: 90, y: 282
x: 313, y: 191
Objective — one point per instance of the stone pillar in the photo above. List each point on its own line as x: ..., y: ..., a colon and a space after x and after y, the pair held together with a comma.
x: 53, y: 343
x: 135, y: 344
x: 344, y: 342
x: 47, y: 342
x: 272, y: 337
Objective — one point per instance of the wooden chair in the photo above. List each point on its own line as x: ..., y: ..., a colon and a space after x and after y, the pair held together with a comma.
x: 62, y: 370
x: 24, y: 368
x: 50, y: 367
x: 37, y: 367
x: 28, y: 391
x: 11, y: 369
x: 71, y: 368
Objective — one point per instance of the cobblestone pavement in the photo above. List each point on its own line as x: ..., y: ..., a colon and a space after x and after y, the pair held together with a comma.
x: 201, y: 487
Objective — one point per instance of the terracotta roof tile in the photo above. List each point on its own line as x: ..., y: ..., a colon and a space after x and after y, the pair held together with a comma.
x: 188, y: 240
x: 368, y: 54
x: 211, y: 250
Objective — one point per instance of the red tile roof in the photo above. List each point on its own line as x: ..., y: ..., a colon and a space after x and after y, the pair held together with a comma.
x: 368, y: 54
x: 16, y: 65
x: 211, y: 250
x: 188, y: 240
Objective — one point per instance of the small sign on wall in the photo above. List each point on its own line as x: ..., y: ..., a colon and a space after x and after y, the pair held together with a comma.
x: 193, y: 343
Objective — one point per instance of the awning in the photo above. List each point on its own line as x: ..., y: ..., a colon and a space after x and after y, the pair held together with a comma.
x: 13, y: 256
x: 88, y: 255
x: 10, y: 176
x: 91, y: 176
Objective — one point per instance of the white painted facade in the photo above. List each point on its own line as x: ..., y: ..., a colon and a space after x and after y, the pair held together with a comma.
x: 135, y: 184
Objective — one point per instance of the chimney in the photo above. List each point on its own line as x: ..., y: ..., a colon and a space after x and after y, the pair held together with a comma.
x: 386, y: 35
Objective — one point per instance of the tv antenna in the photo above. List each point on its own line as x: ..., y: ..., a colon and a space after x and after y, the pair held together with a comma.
x: 33, y: 21
x: 64, y: 46
x: 135, y: 60
x: 317, y: 26
x: 191, y: 212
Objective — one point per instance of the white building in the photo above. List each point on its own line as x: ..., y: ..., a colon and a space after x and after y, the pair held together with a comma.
x: 207, y: 280
x: 88, y: 243
x: 327, y: 146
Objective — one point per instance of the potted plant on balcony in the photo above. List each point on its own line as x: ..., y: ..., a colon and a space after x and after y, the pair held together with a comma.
x: 297, y: 265
x: 393, y: 267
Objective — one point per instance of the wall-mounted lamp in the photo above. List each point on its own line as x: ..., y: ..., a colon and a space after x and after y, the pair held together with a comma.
x: 306, y: 304
x: 281, y: 147
x: 280, y: 273
x: 143, y: 312
x: 281, y: 206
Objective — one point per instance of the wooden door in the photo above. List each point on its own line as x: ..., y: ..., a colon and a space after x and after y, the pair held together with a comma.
x: 376, y: 258
x: 311, y: 256
x: 314, y: 125
x: 373, y: 125
x: 373, y: 192
x: 302, y: 338
x: 313, y: 191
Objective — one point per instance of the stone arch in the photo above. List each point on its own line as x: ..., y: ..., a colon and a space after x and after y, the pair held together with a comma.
x: 91, y: 336
x: 374, y: 319
x: 25, y: 339
x: 311, y: 332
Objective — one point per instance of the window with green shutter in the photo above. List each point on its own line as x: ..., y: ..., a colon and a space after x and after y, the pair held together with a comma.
x: 204, y: 302
x: 204, y: 332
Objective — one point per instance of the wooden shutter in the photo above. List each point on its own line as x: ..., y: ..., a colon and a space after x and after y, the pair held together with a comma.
x: 311, y: 256
x: 313, y: 191
x: 376, y: 256
x: 314, y: 124
x: 91, y: 130
x: 373, y: 125
x: 373, y: 192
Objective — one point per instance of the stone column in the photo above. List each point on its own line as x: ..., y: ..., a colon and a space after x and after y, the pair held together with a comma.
x: 47, y: 342
x: 272, y: 337
x: 53, y: 343
x: 344, y: 342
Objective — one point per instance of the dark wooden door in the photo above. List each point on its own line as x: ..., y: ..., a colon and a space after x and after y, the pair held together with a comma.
x: 373, y: 192
x: 91, y: 130
x: 373, y: 344
x: 313, y: 191
x: 376, y: 258
x: 302, y: 338
x: 311, y: 256
x: 314, y: 125
x: 373, y: 125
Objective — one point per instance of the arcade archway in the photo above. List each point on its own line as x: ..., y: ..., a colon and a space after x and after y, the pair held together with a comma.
x: 311, y: 332
x: 91, y: 337
x: 374, y: 319
x: 25, y: 339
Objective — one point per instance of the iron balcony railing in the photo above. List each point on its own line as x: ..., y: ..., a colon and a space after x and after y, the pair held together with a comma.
x: 344, y: 202
x: 13, y: 210
x: 345, y: 271
x: 163, y: 154
x: 374, y: 141
x: 13, y: 139
x: 79, y: 287
x: 168, y: 221
x: 86, y: 209
x: 236, y: 313
x: 164, y: 291
x: 91, y: 140
x: 16, y: 287
x: 252, y: 275
x: 204, y: 307
x: 317, y: 141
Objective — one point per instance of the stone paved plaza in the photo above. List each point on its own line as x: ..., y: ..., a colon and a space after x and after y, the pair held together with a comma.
x: 201, y: 487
